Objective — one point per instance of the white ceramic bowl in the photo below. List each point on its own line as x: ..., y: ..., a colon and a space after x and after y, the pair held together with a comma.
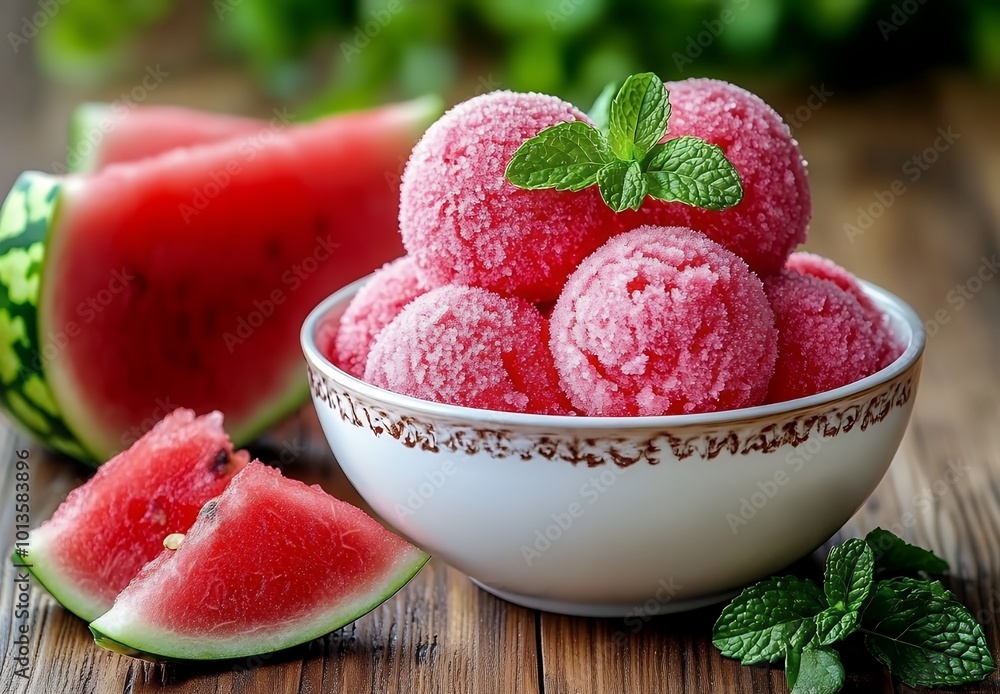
x: 611, y: 516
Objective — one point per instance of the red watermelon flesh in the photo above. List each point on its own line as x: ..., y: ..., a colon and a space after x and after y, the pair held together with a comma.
x: 186, y: 277
x: 103, y: 134
x: 269, y: 564
x: 106, y: 530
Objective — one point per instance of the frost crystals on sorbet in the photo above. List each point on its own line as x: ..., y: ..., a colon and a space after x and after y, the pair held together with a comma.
x: 825, y: 269
x: 373, y: 307
x: 465, y: 223
x: 468, y: 346
x: 825, y: 338
x: 663, y: 320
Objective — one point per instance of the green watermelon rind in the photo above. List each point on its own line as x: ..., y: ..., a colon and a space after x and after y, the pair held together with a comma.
x: 28, y: 213
x: 86, y: 119
x: 40, y: 566
x: 133, y: 640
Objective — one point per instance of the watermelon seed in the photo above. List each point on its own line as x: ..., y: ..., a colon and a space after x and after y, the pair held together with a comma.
x: 221, y: 461
x: 173, y: 540
x: 208, y: 510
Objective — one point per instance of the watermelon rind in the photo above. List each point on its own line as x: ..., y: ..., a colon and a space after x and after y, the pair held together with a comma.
x: 123, y: 633
x: 86, y: 119
x: 39, y: 563
x: 28, y: 213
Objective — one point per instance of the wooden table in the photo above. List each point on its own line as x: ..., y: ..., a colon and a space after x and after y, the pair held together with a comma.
x: 441, y: 633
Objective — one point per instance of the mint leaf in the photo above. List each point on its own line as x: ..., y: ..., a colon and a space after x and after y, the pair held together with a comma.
x: 847, y: 584
x: 849, y: 575
x: 793, y: 663
x: 761, y: 622
x: 832, y: 625
x: 600, y: 113
x: 893, y: 555
x: 566, y: 156
x: 924, y: 635
x: 622, y: 185
x: 639, y: 114
x: 692, y: 171
x: 814, y: 671
x: 935, y: 587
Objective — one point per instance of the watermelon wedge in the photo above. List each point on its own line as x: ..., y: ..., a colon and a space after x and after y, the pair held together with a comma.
x: 102, y: 134
x: 270, y: 564
x: 181, y: 280
x: 106, y: 530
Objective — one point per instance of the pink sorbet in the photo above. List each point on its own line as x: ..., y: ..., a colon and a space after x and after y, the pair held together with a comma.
x: 468, y: 346
x: 772, y: 218
x: 390, y: 289
x: 465, y: 224
x: 326, y: 337
x: 663, y: 320
x: 825, y: 269
x: 825, y: 339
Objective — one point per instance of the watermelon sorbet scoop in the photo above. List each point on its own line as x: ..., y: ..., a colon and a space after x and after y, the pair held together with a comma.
x: 663, y: 320
x: 772, y: 218
x: 825, y: 336
x: 468, y: 346
x: 464, y: 223
x: 825, y: 269
x: 373, y: 307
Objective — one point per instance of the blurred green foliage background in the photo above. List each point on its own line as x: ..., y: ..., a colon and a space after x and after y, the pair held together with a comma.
x: 330, y: 54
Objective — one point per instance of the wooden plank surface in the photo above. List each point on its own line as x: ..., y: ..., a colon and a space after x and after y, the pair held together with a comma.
x: 942, y: 491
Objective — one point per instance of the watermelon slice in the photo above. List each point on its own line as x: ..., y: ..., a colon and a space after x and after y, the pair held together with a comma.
x: 103, y: 134
x: 106, y: 530
x: 181, y: 280
x: 270, y: 564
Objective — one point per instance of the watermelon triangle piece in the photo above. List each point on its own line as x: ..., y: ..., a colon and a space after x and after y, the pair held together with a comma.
x: 270, y: 564
x: 181, y: 280
x: 106, y: 530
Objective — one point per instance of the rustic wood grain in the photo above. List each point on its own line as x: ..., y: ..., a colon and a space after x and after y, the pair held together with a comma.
x: 441, y: 634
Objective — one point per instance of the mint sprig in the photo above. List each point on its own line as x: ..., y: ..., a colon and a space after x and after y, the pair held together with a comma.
x: 915, y: 626
x: 623, y: 155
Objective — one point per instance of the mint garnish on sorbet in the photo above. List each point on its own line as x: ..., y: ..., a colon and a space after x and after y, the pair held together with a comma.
x: 623, y: 155
x: 913, y: 625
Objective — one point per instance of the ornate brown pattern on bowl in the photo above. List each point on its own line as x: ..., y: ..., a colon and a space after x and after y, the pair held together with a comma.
x: 765, y: 434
